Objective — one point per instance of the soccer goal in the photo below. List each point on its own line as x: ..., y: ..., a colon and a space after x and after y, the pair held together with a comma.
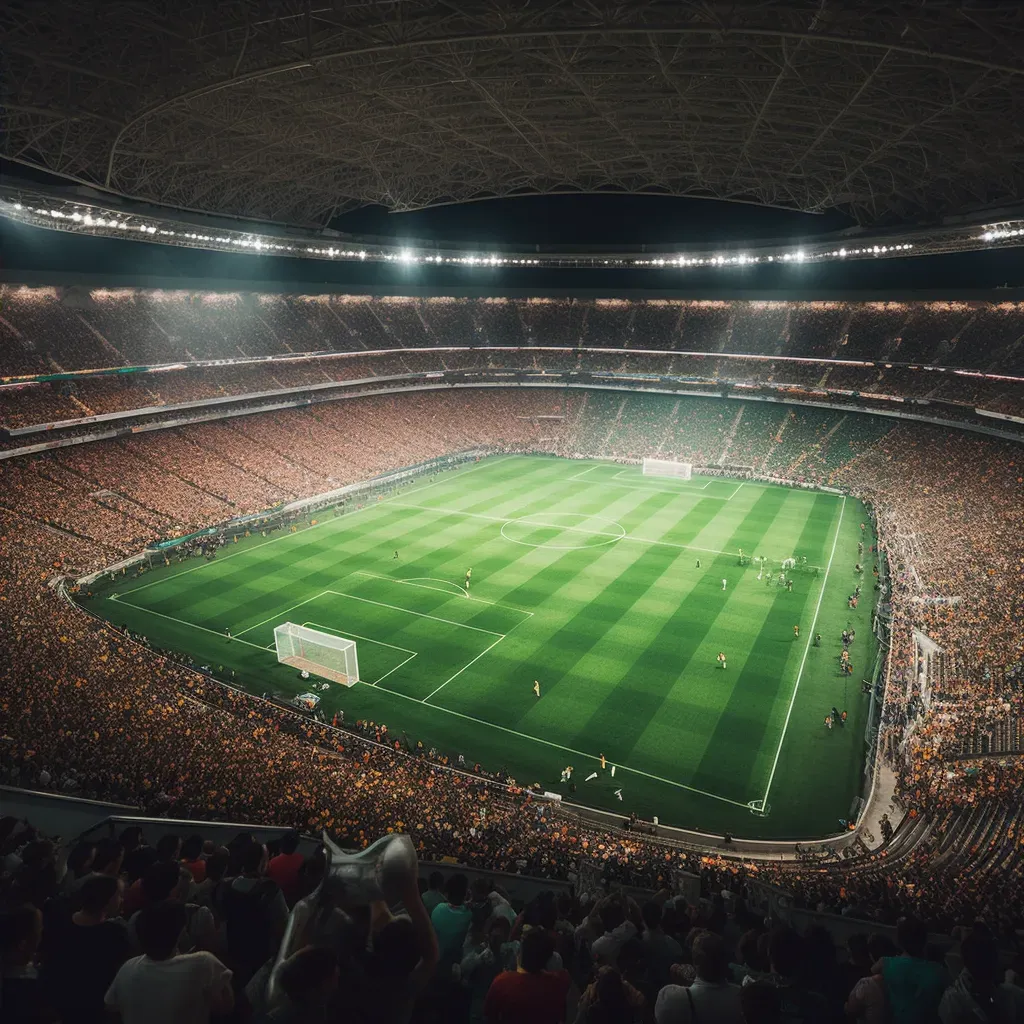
x: 318, y: 653
x: 665, y: 467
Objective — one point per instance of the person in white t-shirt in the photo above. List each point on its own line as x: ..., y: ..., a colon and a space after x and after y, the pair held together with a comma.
x: 162, y: 986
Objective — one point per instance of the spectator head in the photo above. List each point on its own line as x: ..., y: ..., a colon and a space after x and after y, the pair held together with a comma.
x: 290, y: 841
x: 130, y: 838
x: 109, y: 855
x: 254, y: 859
x: 785, y: 951
x: 160, y: 881
x: 159, y: 927
x: 498, y: 931
x: 168, y: 848
x: 535, y: 950
x: 911, y: 936
x: 980, y: 957
x: 710, y: 958
x: 192, y: 848
x: 750, y: 950
x: 309, y: 977
x: 652, y: 914
x: 611, y: 1003
x: 436, y: 881
x: 80, y: 859
x: 880, y: 945
x: 456, y: 889
x: 208, y: 847
x: 100, y: 896
x: 21, y: 928
x: 760, y: 1003
x: 217, y: 864
x: 481, y: 890
x: 138, y: 861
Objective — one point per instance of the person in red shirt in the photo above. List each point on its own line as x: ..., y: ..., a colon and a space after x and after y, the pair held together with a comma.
x: 529, y: 993
x: 192, y: 858
x: 284, y: 868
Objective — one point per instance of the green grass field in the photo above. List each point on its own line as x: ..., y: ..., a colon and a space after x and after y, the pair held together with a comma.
x: 585, y: 578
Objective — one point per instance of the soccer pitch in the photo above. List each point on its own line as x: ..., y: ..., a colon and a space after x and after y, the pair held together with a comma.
x: 585, y: 577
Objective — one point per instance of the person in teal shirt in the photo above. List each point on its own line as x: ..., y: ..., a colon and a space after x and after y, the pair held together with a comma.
x: 913, y: 984
x: 451, y: 920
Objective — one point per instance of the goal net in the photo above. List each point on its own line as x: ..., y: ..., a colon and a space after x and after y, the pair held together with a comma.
x: 665, y: 467
x: 320, y: 654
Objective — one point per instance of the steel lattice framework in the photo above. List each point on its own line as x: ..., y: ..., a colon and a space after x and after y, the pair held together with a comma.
x: 296, y: 111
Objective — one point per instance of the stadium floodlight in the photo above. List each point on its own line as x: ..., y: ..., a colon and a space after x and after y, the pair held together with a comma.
x: 666, y: 467
x: 318, y: 653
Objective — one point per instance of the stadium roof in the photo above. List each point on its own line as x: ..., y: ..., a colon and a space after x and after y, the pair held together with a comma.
x: 294, y: 112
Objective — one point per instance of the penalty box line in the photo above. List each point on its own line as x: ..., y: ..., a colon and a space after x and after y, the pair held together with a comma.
x: 569, y: 750
x: 368, y: 639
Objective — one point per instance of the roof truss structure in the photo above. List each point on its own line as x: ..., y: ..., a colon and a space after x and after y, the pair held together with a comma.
x: 296, y: 111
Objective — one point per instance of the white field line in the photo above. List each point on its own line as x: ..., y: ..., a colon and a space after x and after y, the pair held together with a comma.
x: 409, y: 611
x: 568, y: 750
x: 412, y: 583
x: 280, y: 614
x: 632, y: 470
x: 570, y: 529
x: 461, y: 670
x: 583, y: 472
x: 326, y: 522
x: 395, y: 669
x: 171, y: 618
x: 803, y: 660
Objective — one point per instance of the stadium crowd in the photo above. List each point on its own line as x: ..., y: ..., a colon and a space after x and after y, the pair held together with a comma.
x: 87, y: 710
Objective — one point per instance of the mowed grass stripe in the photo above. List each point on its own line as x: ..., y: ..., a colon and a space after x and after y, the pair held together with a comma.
x: 628, y: 708
x: 769, y: 668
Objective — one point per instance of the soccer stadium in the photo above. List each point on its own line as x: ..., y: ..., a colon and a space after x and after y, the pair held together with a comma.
x: 506, y: 629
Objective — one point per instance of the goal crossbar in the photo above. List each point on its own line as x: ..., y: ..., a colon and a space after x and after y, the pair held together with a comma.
x: 318, y: 653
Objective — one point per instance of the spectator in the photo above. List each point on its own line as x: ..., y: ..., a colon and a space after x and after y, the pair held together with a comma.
x: 483, y: 963
x: 215, y: 867
x: 530, y: 994
x: 164, y: 987
x: 22, y: 996
x: 866, y: 1002
x: 978, y: 995
x: 173, y: 882
x: 309, y: 980
x: 84, y: 954
x: 610, y: 999
x: 913, y: 985
x: 618, y: 929
x: 662, y: 950
x: 799, y: 1004
x: 284, y: 868
x: 711, y: 999
x: 451, y: 920
x: 254, y: 912
x: 192, y: 858
x: 435, y: 891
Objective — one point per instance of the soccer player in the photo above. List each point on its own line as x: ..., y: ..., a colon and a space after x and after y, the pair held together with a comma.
x: 698, y: 563
x: 604, y: 763
x: 842, y: 718
x: 721, y: 658
x: 796, y: 632
x: 724, y: 583
x: 227, y: 633
x: 828, y: 722
x: 789, y: 586
x: 536, y: 688
x: 618, y: 793
x: 817, y: 639
x: 394, y: 556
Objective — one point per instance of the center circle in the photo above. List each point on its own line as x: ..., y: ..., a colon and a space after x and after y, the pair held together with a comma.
x: 562, y: 531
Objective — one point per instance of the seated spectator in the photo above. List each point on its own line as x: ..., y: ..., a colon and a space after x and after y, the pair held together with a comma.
x: 165, y: 986
x: 84, y: 953
x: 284, y: 868
x: 215, y: 867
x: 22, y: 996
x: 173, y: 882
x: 618, y: 928
x: 866, y: 1002
x: 978, y: 994
x: 711, y: 997
x: 913, y: 985
x: 530, y: 994
x: 309, y: 979
x: 451, y: 920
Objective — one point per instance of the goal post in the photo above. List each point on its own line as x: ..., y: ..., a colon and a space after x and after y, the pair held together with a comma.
x: 318, y: 653
x: 666, y: 467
